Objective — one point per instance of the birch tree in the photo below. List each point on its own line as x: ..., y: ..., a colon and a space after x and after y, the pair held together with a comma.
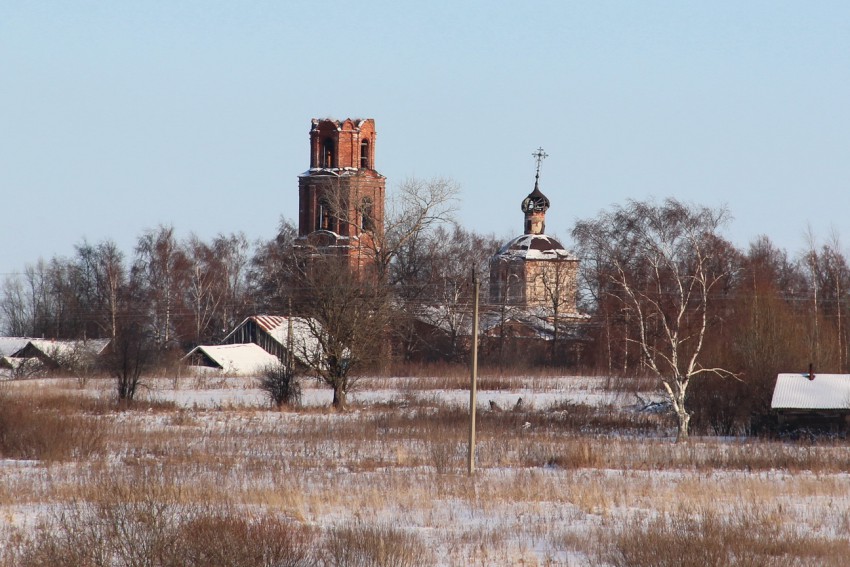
x: 102, y: 280
x: 663, y: 263
x: 161, y: 271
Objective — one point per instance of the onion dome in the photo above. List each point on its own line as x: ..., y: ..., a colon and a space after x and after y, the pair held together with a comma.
x: 536, y: 202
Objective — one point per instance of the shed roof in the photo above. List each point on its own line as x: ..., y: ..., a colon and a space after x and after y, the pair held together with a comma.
x: 245, y: 358
x: 826, y: 391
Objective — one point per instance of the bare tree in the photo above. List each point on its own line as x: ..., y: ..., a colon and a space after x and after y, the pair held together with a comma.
x: 443, y: 287
x: 413, y: 209
x: 15, y: 306
x: 133, y: 350
x: 347, y: 317
x: 233, y: 256
x: 273, y: 271
x: 662, y: 263
x: 828, y: 278
x: 102, y: 281
x: 203, y: 290
x: 558, y: 280
x: 161, y: 270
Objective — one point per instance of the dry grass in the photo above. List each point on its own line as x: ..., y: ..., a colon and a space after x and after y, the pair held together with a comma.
x: 567, y: 485
x: 144, y: 522
x: 745, y: 537
x: 50, y: 428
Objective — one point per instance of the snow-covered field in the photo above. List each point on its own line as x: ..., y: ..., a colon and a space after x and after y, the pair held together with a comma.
x: 576, y: 475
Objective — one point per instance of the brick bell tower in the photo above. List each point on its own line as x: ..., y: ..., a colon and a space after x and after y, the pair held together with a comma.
x: 341, y: 196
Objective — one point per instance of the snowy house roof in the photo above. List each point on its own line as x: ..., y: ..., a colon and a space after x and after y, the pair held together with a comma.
x: 535, y: 247
x: 11, y: 345
x: 245, y: 358
x: 825, y: 391
x: 58, y: 350
x: 64, y: 348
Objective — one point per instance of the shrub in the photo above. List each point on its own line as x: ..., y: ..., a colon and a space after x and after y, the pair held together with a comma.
x: 743, y: 538
x: 281, y: 384
x: 373, y: 546
x: 153, y: 529
x: 239, y: 541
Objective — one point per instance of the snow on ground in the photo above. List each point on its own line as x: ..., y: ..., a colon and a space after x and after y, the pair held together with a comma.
x: 245, y: 392
x: 527, y: 507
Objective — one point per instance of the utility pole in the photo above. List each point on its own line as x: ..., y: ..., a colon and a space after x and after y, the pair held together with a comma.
x: 474, y: 375
x: 290, y: 356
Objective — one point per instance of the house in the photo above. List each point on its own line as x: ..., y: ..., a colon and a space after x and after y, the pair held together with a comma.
x: 812, y: 400
x: 11, y: 345
x: 11, y: 366
x: 64, y: 354
x: 271, y: 332
x: 238, y: 359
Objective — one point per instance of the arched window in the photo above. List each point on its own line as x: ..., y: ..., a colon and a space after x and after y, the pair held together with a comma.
x: 327, y: 157
x: 364, y: 154
x: 367, y: 220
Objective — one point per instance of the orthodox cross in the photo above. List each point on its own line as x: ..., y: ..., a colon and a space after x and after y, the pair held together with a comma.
x: 539, y: 155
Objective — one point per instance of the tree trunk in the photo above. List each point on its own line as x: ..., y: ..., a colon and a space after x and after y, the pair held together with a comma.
x: 339, y: 402
x: 684, y: 419
x: 676, y: 392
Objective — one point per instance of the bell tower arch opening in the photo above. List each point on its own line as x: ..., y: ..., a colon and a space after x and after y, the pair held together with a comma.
x: 327, y: 155
x: 365, y: 162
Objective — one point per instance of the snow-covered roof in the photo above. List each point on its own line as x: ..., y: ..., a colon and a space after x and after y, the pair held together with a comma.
x: 245, y: 359
x: 826, y: 391
x: 11, y: 345
x: 535, y: 247
x: 58, y: 349
x: 304, y: 341
x: 537, y: 321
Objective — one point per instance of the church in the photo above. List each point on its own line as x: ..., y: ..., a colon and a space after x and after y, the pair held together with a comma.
x: 341, y: 196
x: 533, y: 270
x: 341, y: 212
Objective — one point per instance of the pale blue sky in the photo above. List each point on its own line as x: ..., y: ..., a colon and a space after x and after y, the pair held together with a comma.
x: 118, y: 116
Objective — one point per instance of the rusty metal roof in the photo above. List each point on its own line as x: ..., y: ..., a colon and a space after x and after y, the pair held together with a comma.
x: 268, y: 322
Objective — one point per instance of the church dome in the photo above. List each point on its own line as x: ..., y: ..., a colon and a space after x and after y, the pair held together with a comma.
x: 534, y: 247
x: 536, y: 202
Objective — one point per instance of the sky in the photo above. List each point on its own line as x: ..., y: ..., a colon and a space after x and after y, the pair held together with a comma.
x: 117, y: 117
